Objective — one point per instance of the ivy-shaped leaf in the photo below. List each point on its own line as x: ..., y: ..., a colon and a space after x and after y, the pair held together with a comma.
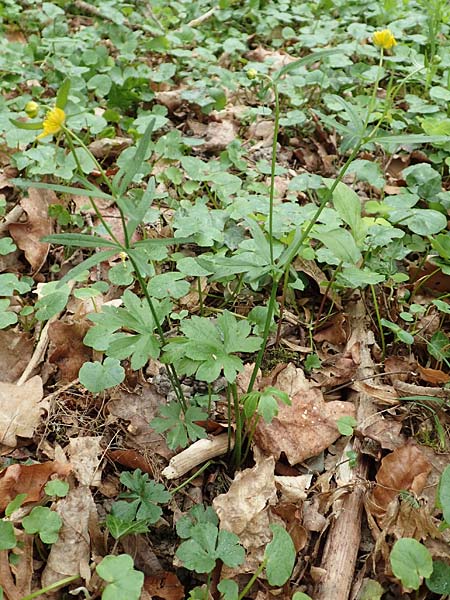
x: 180, y: 427
x: 123, y: 579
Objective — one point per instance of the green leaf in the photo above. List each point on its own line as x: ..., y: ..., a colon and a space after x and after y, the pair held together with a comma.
x: 179, y: 428
x: 56, y: 487
x: 346, y: 425
x: 197, y: 514
x: 7, y: 246
x: 444, y: 493
x: 409, y: 138
x: 145, y: 495
x: 410, y: 562
x: 348, y: 206
x: 85, y: 265
x: 280, y: 554
x: 439, y: 346
x: 208, y: 544
x: 229, y: 589
x: 81, y: 240
x: 45, y: 522
x: 9, y: 283
x: 52, y: 302
x: 423, y: 221
x: 15, y: 504
x: 63, y: 94
x: 7, y: 317
x: 123, y: 580
x: 342, y: 245
x: 7, y: 535
x: 304, y: 62
x: 64, y: 189
x: 119, y: 528
x: 268, y: 402
x: 439, y: 582
x: 126, y: 173
x: 97, y: 377
x: 170, y: 284
x: 302, y: 596
x: 27, y: 125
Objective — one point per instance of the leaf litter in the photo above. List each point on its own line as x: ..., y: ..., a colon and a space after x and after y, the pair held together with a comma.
x: 300, y: 471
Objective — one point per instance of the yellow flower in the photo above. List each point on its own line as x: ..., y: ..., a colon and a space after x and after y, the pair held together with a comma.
x: 53, y: 122
x: 384, y: 39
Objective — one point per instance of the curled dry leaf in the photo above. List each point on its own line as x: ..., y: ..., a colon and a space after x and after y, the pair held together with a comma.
x: 70, y: 554
x: 21, y: 407
x: 67, y: 350
x: 306, y: 427
x: 85, y: 456
x: 28, y: 479
x: 333, y: 332
x: 244, y: 509
x: 16, y: 349
x: 28, y: 235
x: 433, y: 376
x: 406, y: 468
x: 164, y: 585
x: 219, y: 135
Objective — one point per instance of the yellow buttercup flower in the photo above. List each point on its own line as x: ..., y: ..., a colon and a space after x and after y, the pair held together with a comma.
x: 384, y: 39
x: 53, y: 122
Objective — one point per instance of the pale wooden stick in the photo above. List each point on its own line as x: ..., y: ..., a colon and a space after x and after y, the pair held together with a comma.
x: 200, y: 451
x: 341, y: 548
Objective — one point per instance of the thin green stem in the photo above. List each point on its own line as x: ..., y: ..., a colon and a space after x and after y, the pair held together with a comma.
x: 267, y: 324
x: 104, y: 177
x: 171, y: 372
x: 380, y: 326
x: 255, y: 576
x: 91, y: 200
x: 196, y: 474
x: 273, y: 165
x: 51, y: 587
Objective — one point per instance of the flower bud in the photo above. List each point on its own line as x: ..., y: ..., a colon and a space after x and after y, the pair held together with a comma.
x: 252, y: 73
x: 32, y: 109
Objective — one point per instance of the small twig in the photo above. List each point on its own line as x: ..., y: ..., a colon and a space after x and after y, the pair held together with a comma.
x: 12, y: 217
x: 202, y: 18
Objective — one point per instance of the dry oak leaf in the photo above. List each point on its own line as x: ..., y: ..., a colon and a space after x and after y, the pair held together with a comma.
x: 433, y: 376
x: 67, y: 350
x: 28, y: 479
x: 20, y: 410
x: 164, y: 585
x: 244, y: 508
x: 406, y: 468
x: 15, y: 352
x: 71, y: 553
x: 305, y: 428
x: 85, y: 455
x: 28, y: 235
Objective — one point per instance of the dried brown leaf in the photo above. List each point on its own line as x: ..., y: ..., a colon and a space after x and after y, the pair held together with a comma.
x: 28, y: 235
x: 165, y: 585
x: 433, y: 376
x: 28, y: 479
x: 306, y: 427
x: 406, y: 468
x: 21, y: 407
x: 16, y: 349
x: 67, y: 350
x: 85, y: 455
x: 70, y: 554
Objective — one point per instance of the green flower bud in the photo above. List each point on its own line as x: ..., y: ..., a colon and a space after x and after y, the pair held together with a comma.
x: 252, y: 73
x: 32, y: 109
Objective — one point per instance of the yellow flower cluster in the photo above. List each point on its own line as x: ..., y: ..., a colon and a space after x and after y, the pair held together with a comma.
x: 53, y: 122
x: 384, y: 39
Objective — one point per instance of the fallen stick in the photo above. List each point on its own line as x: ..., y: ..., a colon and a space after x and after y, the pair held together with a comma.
x: 200, y: 451
x: 342, y: 545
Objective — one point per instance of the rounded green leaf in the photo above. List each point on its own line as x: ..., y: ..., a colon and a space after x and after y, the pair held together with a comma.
x: 410, y: 561
x: 97, y: 377
x: 280, y: 554
x: 7, y: 535
x: 124, y: 580
x: 45, y: 522
x: 439, y: 582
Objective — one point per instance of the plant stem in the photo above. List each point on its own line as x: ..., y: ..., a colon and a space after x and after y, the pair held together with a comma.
x: 267, y: 324
x: 191, y: 478
x: 273, y: 165
x: 171, y: 372
x: 255, y: 576
x: 51, y: 587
